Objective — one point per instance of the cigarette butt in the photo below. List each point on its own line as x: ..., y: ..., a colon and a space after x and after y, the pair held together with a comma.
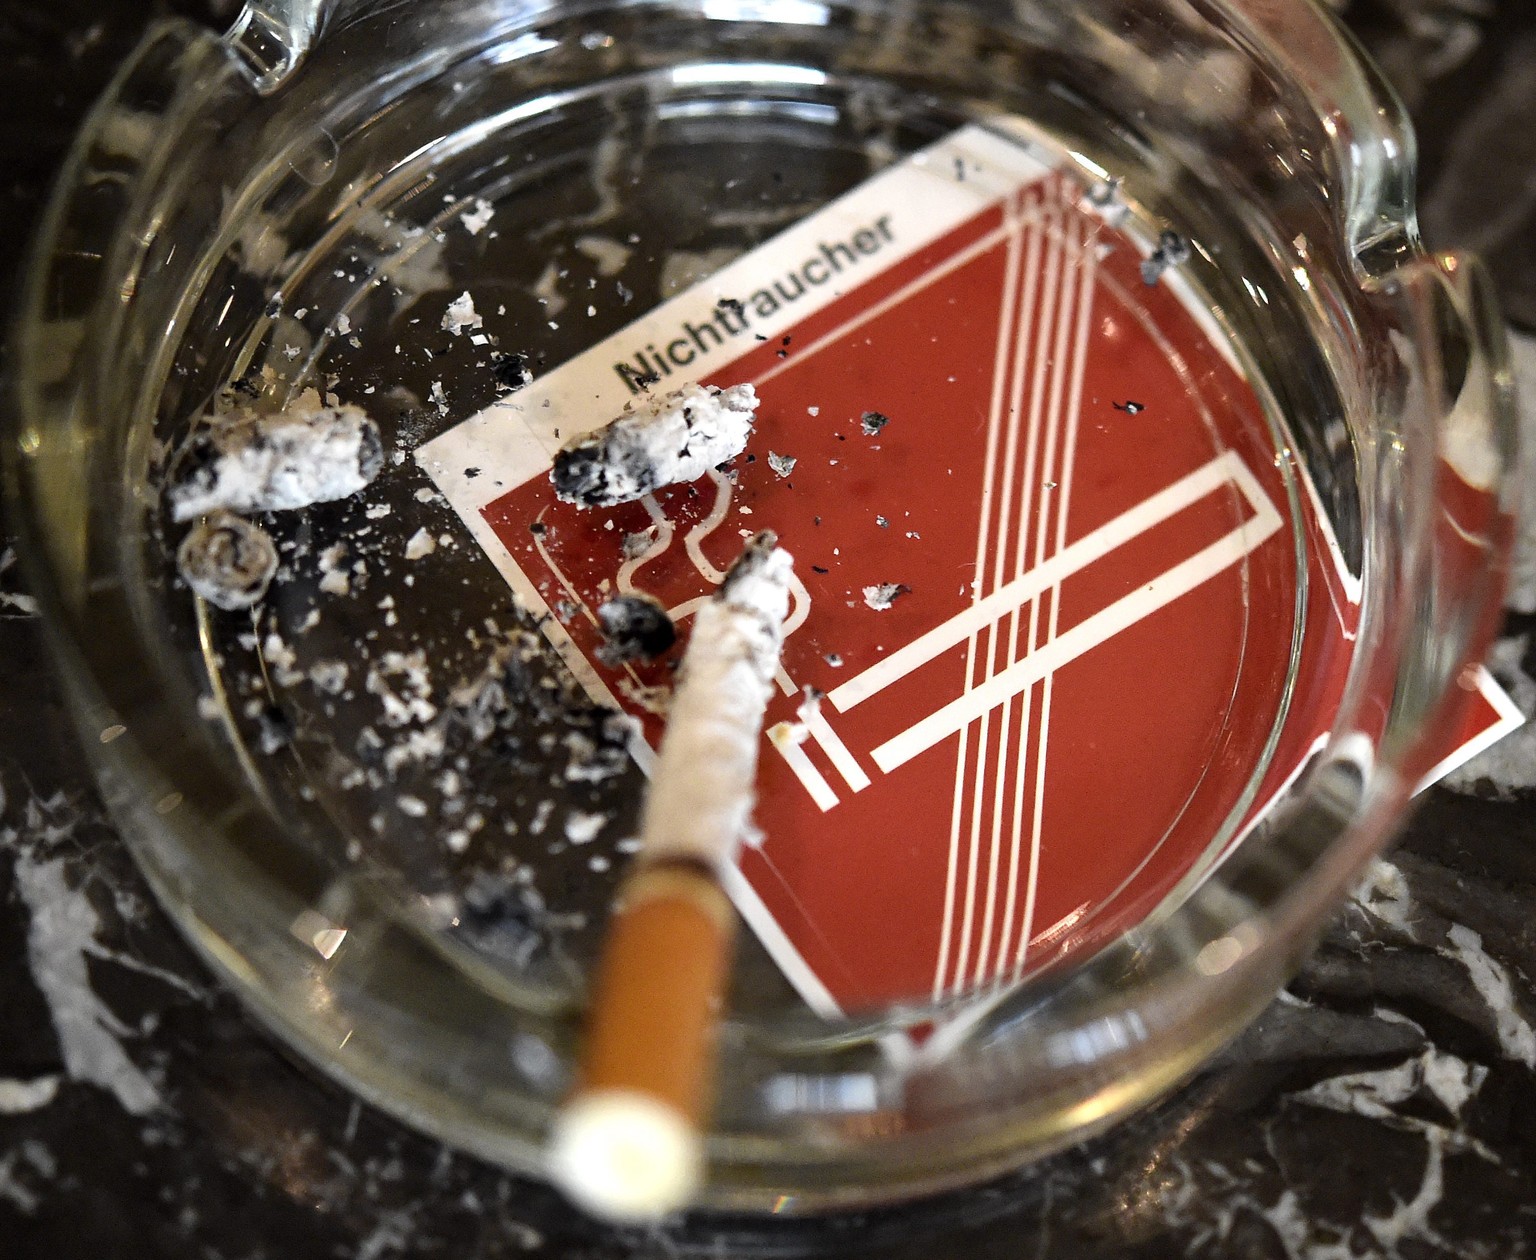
x: 627, y: 1144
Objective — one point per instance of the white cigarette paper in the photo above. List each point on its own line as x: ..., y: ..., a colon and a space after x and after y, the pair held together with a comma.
x: 702, y: 790
x: 627, y: 1146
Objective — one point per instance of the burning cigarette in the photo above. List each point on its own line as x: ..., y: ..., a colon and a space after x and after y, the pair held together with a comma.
x: 627, y: 1144
x: 673, y: 439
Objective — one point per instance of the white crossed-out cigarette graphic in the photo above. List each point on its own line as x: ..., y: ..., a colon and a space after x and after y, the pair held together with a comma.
x: 1011, y: 634
x: 998, y: 715
x: 1225, y: 472
x: 1043, y: 327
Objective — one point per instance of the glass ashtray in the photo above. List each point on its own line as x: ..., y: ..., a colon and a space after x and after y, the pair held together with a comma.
x: 1150, y: 488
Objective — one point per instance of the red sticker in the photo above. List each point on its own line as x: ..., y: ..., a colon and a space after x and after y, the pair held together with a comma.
x: 1071, y: 500
x: 1048, y: 592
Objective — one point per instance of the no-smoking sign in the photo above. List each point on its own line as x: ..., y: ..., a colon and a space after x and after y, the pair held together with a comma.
x: 1048, y: 603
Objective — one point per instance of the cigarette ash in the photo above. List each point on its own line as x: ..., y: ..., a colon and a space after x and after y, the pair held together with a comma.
x: 701, y: 793
x: 758, y: 581
x: 335, y: 579
x: 582, y: 827
x: 510, y: 370
x: 227, y: 560
x: 635, y: 627
x: 461, y: 315
x: 370, y: 696
x: 654, y: 699
x: 490, y: 806
x: 403, y: 683
x: 1172, y: 250
x: 637, y: 544
x: 883, y: 594
x: 506, y: 916
x: 1104, y: 199
x: 489, y: 779
x: 420, y: 544
x: 478, y: 216
x: 871, y: 422
x: 785, y: 734
x: 565, y: 773
x: 247, y: 461
x: 672, y: 439
x: 473, y: 771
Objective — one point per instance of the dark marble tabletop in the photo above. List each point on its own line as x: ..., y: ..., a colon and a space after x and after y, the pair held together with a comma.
x: 1385, y: 1106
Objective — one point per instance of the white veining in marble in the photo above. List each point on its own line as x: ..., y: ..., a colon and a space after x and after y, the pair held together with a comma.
x: 1302, y: 1237
x: 1452, y: 1080
x: 1410, y: 1221
x: 28, y: 1162
x: 1404, y: 1231
x: 17, y: 1097
x: 611, y: 159
x: 682, y: 268
x: 391, y: 1235
x: 1378, y: 1094
x: 1491, y: 978
x: 61, y: 937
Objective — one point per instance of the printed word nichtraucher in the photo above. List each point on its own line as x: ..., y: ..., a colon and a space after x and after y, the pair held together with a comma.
x: 733, y: 317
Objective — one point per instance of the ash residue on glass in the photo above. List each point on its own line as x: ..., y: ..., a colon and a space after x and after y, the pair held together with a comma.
x: 386, y: 690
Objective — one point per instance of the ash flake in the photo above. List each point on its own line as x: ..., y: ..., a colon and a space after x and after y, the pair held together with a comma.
x: 334, y: 579
x: 461, y: 314
x: 421, y: 544
x: 883, y: 594
x: 582, y: 827
x: 1172, y: 251
x: 329, y: 676
x: 281, y: 660
x: 477, y: 216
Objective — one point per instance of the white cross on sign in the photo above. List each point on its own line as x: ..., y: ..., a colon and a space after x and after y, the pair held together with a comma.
x: 1227, y: 470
